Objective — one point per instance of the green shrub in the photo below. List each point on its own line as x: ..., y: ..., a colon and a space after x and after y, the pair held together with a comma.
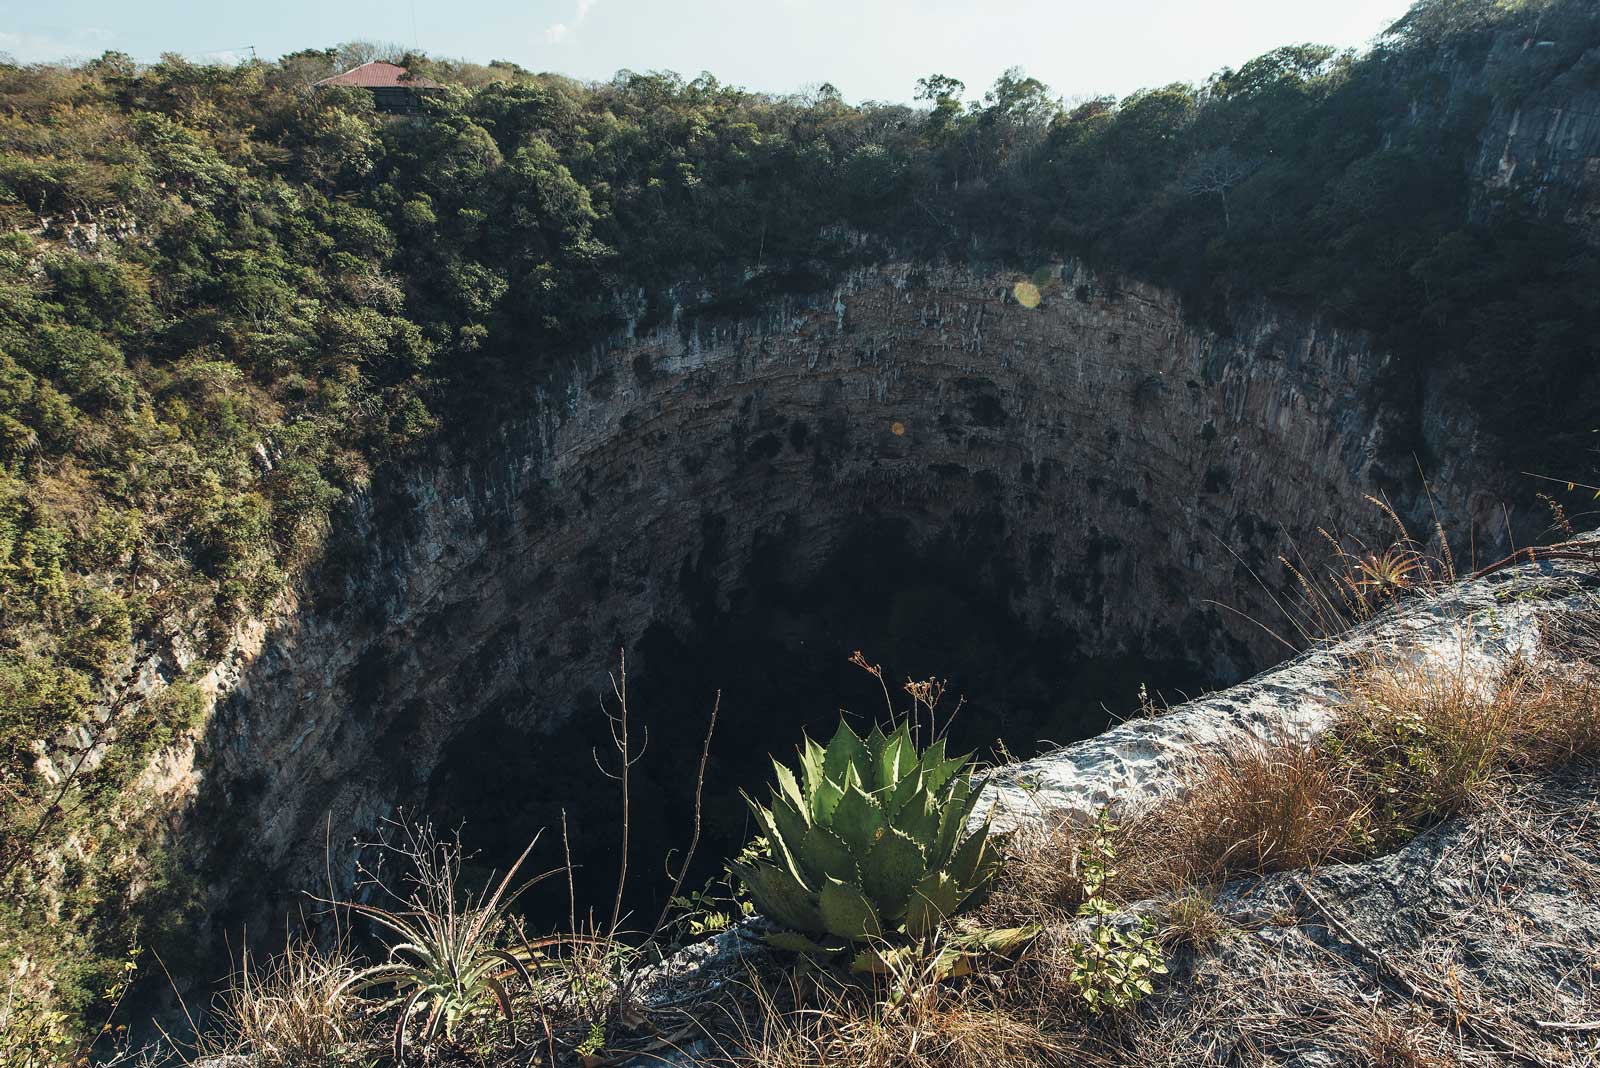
x: 1111, y: 968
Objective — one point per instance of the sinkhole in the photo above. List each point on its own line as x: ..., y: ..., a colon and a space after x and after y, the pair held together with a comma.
x: 1045, y: 507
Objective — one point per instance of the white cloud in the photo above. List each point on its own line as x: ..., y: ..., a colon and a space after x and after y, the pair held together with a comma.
x: 557, y: 32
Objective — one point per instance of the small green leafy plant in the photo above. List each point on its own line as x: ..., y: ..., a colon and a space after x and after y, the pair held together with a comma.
x: 1112, y: 968
x: 445, y: 962
x: 870, y: 842
x: 34, y: 1038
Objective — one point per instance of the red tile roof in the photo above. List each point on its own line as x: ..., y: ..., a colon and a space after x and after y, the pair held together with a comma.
x: 380, y: 75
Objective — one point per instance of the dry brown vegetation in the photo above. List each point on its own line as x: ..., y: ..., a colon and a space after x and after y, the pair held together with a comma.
x: 290, y: 1010
x: 1413, y: 744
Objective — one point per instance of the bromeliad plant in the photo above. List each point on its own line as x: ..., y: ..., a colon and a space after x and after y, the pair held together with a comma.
x: 870, y: 843
x: 445, y: 963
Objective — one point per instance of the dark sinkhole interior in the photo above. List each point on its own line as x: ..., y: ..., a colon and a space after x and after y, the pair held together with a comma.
x: 780, y: 657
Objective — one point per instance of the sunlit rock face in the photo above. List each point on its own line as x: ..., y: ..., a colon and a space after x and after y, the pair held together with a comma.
x: 740, y: 499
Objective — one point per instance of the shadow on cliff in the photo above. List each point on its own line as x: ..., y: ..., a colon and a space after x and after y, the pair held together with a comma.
x: 780, y: 657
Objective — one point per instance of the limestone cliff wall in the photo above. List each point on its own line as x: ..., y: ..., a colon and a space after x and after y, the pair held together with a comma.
x: 1535, y: 99
x: 1122, y: 470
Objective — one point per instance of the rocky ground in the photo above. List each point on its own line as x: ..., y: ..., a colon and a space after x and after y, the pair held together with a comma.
x: 1477, y: 943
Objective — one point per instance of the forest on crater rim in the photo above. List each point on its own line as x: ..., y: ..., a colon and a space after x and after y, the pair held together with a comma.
x: 227, y: 301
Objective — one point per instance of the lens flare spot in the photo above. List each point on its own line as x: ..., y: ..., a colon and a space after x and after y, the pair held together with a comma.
x: 1027, y: 294
x: 897, y: 428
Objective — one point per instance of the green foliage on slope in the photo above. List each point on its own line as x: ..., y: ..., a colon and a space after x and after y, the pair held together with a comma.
x: 227, y: 300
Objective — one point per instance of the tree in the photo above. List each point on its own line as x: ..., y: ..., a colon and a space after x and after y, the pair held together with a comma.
x: 940, y: 89
x: 1216, y: 171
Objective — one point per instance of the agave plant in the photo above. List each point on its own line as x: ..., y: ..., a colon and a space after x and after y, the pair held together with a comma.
x: 444, y: 963
x: 869, y: 842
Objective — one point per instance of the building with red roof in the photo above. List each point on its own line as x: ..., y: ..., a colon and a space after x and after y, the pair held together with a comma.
x: 393, y: 88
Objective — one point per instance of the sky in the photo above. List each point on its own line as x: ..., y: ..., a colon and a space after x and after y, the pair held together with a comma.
x: 868, y: 49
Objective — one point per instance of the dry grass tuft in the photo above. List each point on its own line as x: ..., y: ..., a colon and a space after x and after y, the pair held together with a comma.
x: 1268, y: 808
x: 1192, y: 921
x: 915, y: 1024
x: 293, y: 1010
x: 1422, y: 741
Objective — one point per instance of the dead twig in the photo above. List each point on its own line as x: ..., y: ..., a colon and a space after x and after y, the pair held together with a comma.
x: 694, y: 838
x: 1558, y: 1025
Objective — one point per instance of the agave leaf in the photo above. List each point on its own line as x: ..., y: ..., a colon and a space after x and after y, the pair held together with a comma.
x: 974, y: 796
x: 516, y: 965
x: 377, y: 975
x: 424, y: 954
x: 879, y: 960
x: 504, y: 1001
x: 896, y: 757
x: 920, y: 819
x: 825, y: 855
x: 952, y: 963
x: 825, y: 799
x: 938, y: 773
x: 902, y: 792
x: 779, y: 896
x: 437, y: 1016
x: 950, y: 823
x: 781, y: 850
x: 1005, y: 940
x: 791, y: 822
x: 935, y: 898
x: 875, y: 740
x: 400, y: 1025
x: 964, y: 798
x: 969, y: 861
x: 846, y: 750
x: 794, y: 942
x: 762, y: 814
x: 859, y: 821
x: 890, y: 872
x: 869, y: 962
x: 846, y: 912
x: 811, y: 764
x: 394, y: 921
x: 983, y: 880
x: 931, y: 757
x: 789, y: 790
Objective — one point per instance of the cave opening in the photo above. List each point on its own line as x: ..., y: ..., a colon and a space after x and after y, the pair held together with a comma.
x: 778, y: 647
